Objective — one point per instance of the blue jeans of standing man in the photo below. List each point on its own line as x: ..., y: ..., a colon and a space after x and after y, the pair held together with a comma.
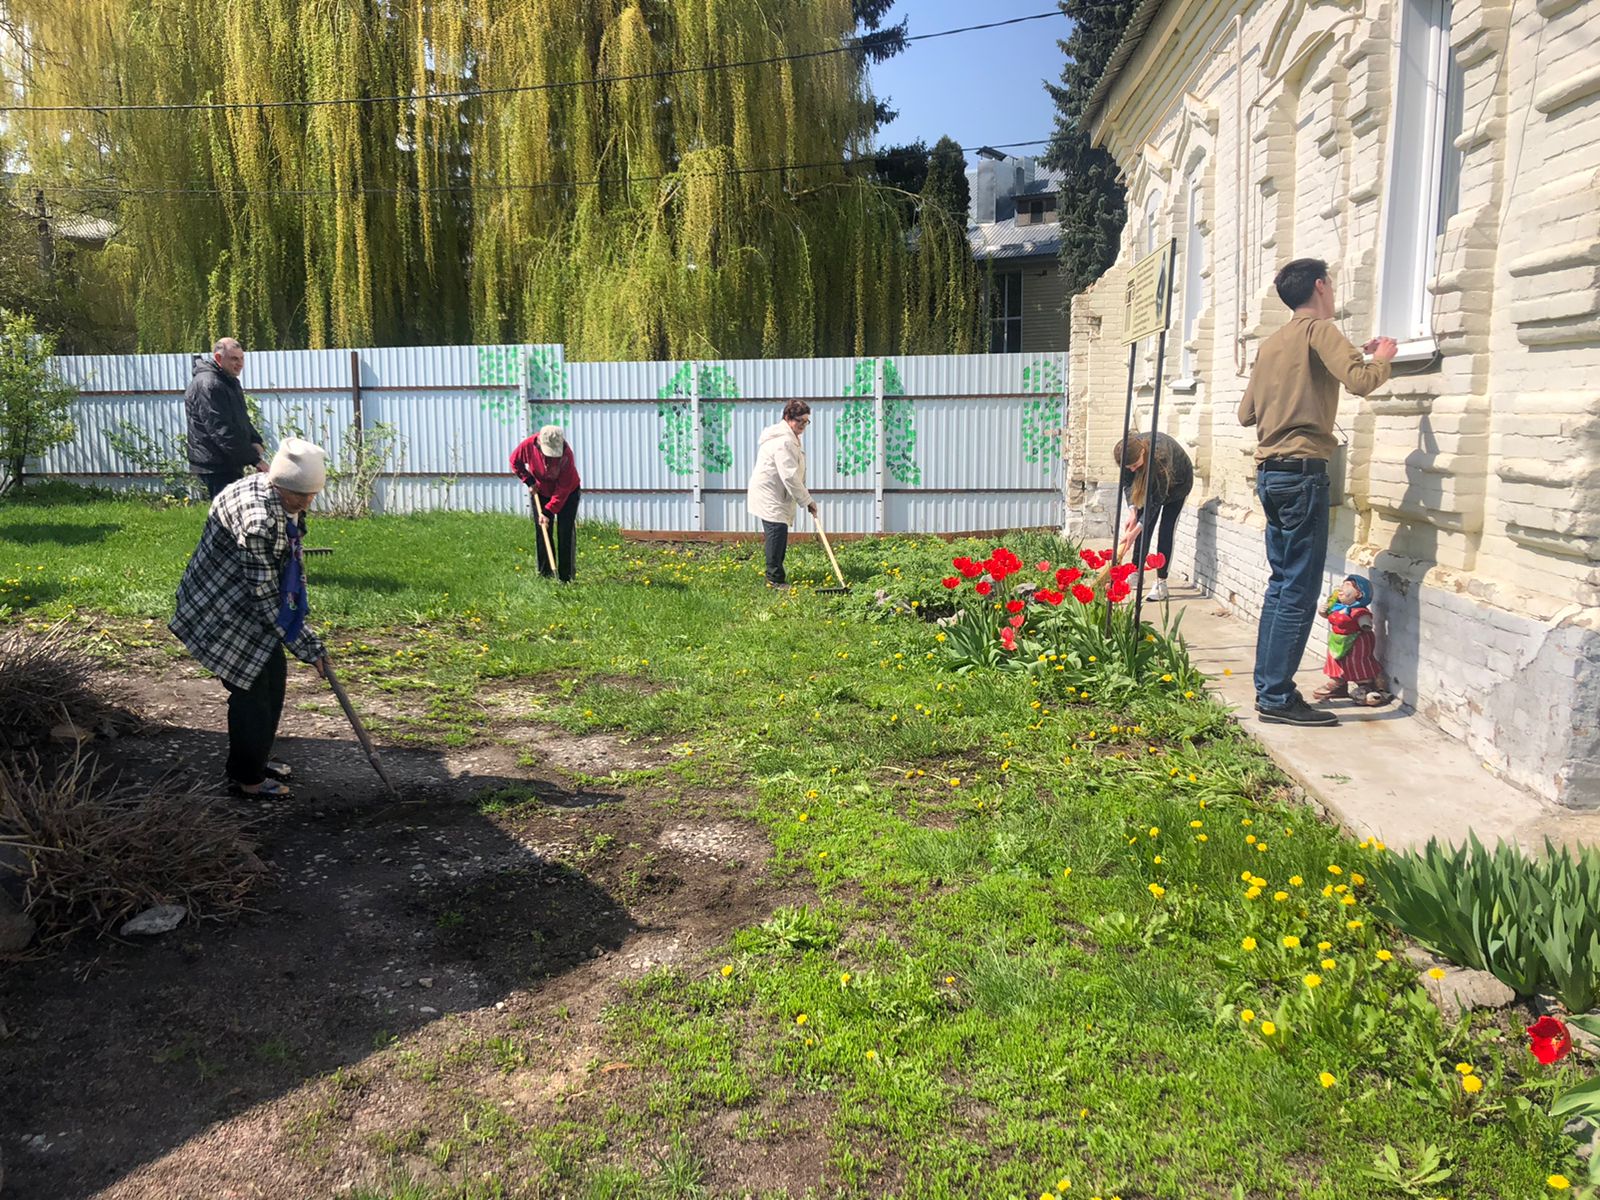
x: 1296, y: 505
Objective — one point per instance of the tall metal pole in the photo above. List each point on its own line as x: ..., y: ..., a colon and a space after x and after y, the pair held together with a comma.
x: 1147, y: 534
x: 1127, y: 424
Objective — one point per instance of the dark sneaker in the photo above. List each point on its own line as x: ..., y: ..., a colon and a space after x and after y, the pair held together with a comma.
x: 1297, y: 713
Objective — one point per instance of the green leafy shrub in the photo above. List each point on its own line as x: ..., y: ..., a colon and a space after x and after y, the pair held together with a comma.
x: 1534, y: 924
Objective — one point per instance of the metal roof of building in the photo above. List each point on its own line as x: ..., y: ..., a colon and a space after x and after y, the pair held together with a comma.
x: 1138, y: 25
x: 1007, y: 239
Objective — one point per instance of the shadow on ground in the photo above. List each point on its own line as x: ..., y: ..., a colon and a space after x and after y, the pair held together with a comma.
x: 198, y: 1064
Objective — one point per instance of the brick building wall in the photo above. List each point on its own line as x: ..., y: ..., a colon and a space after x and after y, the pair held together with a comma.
x: 1471, y: 483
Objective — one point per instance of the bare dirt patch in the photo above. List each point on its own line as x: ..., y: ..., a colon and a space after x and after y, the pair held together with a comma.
x: 412, y: 969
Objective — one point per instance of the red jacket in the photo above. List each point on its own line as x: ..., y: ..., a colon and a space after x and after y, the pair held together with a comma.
x: 553, y: 479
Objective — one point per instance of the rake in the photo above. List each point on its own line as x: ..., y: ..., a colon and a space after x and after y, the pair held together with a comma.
x: 844, y: 588
x: 360, y: 730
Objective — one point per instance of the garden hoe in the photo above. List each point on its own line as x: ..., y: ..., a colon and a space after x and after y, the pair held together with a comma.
x: 544, y: 533
x: 360, y: 730
x: 844, y: 588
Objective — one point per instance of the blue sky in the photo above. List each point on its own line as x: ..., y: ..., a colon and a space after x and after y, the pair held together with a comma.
x: 984, y: 87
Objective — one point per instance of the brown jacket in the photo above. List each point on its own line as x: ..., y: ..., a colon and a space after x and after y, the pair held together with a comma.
x: 1293, y: 394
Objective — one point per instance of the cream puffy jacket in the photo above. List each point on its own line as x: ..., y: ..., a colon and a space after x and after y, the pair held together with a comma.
x: 778, y: 482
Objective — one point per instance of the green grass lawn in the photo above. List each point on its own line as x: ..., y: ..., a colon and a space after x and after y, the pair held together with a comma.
x: 1050, y: 941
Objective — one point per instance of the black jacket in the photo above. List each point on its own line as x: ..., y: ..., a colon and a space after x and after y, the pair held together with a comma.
x: 1182, y: 474
x: 221, y: 437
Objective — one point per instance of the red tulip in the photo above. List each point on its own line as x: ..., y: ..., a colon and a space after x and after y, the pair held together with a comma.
x: 984, y: 588
x: 1049, y: 597
x: 1067, y: 576
x: 1041, y: 565
x: 1156, y: 561
x: 1118, y: 592
x: 1016, y: 621
x: 1008, y: 638
x: 1549, y: 1040
x: 951, y: 582
x: 1122, y: 571
x: 1083, y: 594
x: 1090, y: 559
x: 1015, y: 606
x: 968, y: 568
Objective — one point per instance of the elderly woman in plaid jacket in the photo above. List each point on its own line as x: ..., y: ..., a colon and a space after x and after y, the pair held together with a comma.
x: 243, y: 599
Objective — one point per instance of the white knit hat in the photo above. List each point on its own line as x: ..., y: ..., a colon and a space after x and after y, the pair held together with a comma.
x: 299, y: 466
x: 552, y: 442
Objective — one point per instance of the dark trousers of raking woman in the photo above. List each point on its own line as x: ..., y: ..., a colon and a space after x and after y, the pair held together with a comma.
x: 564, y: 533
x: 1162, y: 524
x: 253, y: 716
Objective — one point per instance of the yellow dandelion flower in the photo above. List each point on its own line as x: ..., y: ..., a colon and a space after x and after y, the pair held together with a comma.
x: 1471, y: 1085
x: 1196, y: 824
x: 1559, y: 1183
x: 871, y: 1054
x: 1328, y: 964
x: 1357, y: 878
x: 1326, y: 1079
x: 1295, y: 881
x: 726, y: 971
x: 844, y: 979
x: 1435, y: 973
x: 1312, y: 981
x: 1155, y: 831
x: 1324, y: 945
x: 1465, y: 1068
x: 1268, y: 1029
x: 801, y: 1019
x: 1157, y: 890
x: 1202, y: 838
x: 1247, y: 1015
x: 1385, y: 956
x: 1249, y: 943
x: 1335, y: 870
x: 955, y: 783
x: 1290, y: 942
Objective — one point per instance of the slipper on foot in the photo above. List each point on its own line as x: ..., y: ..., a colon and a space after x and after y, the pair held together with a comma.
x: 281, y: 771
x: 270, y: 789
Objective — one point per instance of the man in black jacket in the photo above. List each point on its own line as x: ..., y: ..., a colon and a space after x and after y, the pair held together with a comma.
x: 222, y: 441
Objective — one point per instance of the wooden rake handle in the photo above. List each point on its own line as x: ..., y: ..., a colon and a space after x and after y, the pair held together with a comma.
x: 832, y: 561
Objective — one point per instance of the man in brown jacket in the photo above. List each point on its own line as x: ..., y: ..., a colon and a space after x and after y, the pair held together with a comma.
x: 1292, y: 400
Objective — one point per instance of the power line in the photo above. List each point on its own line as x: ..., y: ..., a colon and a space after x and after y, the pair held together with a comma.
x: 851, y: 46
x: 111, y: 192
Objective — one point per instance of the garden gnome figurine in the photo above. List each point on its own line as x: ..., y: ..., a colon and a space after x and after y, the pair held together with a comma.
x: 1352, y: 668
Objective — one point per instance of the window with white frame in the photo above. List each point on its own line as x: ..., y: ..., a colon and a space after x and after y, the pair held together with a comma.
x: 1423, y: 190
x: 1194, y: 262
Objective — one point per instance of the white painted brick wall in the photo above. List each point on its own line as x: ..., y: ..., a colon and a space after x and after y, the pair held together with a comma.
x: 1473, y: 487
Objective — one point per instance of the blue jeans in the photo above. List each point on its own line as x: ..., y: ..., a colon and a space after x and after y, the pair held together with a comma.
x: 1297, y: 549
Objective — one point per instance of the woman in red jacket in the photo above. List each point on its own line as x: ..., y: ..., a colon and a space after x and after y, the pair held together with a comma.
x: 544, y: 463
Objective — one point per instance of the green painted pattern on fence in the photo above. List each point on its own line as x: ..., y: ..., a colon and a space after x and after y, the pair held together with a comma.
x: 1041, y: 417
x: 716, y: 420
x: 855, y: 438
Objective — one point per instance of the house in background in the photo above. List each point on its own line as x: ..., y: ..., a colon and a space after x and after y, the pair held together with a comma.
x: 1016, y: 235
x: 1443, y: 156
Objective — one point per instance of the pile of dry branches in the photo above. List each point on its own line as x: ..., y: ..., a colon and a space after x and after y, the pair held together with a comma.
x: 99, y: 850
x: 47, y: 679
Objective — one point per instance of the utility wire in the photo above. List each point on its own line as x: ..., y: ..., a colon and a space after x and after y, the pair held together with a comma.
x: 111, y: 192
x: 851, y: 46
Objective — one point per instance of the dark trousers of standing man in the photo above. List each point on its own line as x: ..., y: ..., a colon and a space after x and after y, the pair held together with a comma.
x: 215, y: 481
x: 564, y: 533
x: 253, y: 715
x: 1296, y: 505
x: 775, y: 539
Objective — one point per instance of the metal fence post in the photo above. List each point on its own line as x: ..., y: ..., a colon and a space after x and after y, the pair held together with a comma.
x: 699, y: 503
x: 880, y: 455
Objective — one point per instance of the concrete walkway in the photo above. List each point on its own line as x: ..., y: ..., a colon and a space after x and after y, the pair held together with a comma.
x: 1384, y: 772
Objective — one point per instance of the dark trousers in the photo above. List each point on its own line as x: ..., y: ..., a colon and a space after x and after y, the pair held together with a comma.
x: 1161, y: 524
x: 215, y: 481
x: 565, y: 536
x: 1296, y: 506
x: 775, y: 536
x: 253, y: 714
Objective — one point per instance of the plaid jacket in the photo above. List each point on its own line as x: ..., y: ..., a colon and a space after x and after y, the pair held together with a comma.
x: 228, y: 600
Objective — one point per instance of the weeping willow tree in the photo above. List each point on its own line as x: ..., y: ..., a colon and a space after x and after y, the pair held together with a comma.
x: 633, y: 217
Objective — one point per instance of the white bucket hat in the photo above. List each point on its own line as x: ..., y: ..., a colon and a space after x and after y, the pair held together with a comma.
x: 552, y: 442
x: 299, y: 466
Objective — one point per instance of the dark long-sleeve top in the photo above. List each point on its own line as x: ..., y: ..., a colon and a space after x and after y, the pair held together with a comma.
x: 1182, y: 481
